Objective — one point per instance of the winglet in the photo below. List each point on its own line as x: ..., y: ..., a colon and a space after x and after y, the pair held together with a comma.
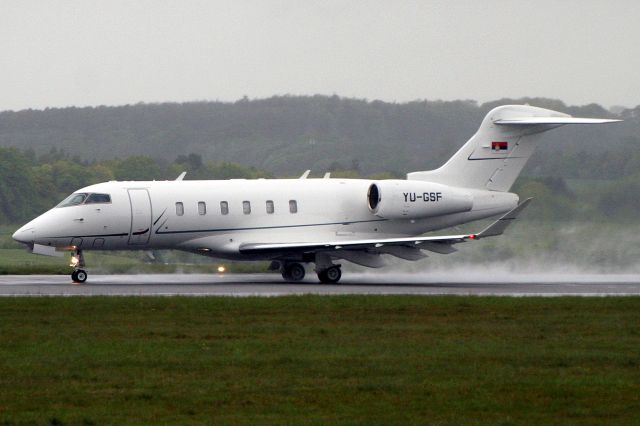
x: 182, y: 175
x: 498, y: 227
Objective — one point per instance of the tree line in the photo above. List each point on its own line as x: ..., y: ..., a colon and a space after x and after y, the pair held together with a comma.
x: 286, y: 135
x: 31, y: 184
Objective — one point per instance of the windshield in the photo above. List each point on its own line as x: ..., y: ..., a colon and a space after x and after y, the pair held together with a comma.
x: 84, y: 198
x: 98, y: 198
x: 73, y: 200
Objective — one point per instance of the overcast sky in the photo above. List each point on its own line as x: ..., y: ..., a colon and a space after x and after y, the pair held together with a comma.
x: 62, y: 53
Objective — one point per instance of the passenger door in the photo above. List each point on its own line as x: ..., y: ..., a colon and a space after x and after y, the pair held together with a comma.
x: 140, y: 216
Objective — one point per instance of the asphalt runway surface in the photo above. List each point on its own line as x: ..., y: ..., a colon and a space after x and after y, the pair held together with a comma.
x: 240, y: 285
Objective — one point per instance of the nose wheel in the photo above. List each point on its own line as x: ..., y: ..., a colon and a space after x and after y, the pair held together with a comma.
x: 78, y: 275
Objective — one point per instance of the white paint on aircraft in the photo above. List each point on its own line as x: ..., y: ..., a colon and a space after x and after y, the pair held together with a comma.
x: 306, y: 220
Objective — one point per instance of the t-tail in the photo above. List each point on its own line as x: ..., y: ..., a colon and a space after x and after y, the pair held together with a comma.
x: 494, y: 157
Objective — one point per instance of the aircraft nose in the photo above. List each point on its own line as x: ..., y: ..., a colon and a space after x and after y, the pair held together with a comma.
x: 25, y: 235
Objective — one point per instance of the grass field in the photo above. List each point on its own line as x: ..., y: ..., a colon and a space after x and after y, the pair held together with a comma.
x: 319, y: 360
x: 21, y: 262
x: 16, y: 260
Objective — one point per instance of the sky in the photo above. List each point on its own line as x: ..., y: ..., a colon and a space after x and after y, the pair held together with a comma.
x: 91, y: 52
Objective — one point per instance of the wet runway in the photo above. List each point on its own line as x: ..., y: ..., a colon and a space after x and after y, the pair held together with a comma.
x: 505, y: 284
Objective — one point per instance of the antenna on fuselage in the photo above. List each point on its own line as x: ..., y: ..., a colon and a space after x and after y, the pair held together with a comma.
x: 182, y: 175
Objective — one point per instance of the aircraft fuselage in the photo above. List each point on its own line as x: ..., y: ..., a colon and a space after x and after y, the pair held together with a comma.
x: 216, y: 217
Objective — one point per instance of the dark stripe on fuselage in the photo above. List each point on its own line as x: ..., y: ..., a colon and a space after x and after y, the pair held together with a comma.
x: 161, y: 225
x: 267, y: 227
x: 227, y: 229
x: 161, y: 214
x: 91, y: 236
x: 506, y: 157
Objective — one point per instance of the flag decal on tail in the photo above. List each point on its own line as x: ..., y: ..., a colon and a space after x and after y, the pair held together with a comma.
x: 499, y: 146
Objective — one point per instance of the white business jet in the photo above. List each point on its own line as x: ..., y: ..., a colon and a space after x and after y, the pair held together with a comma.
x: 293, y: 222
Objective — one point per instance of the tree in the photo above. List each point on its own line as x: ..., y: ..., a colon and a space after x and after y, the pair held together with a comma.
x: 136, y: 168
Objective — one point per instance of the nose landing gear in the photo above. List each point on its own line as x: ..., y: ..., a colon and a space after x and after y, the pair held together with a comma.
x: 79, y: 275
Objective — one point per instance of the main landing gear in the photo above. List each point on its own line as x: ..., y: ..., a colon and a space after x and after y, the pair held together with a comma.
x: 79, y: 275
x: 330, y: 275
x: 295, y: 272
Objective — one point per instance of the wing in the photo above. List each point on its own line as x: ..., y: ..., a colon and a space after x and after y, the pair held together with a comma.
x: 437, y: 244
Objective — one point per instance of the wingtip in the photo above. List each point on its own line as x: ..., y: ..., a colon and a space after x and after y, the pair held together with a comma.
x: 498, y: 227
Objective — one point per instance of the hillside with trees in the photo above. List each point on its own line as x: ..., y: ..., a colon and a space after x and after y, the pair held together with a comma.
x: 287, y: 135
x: 577, y: 173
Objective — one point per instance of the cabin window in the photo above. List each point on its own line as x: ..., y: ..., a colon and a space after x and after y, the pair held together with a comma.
x: 179, y: 208
x: 270, y: 208
x: 202, y: 208
x: 293, y: 206
x: 246, y: 207
x: 98, y: 198
x: 224, y: 207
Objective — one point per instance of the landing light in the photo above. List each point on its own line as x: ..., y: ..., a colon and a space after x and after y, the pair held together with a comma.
x: 74, y: 261
x: 221, y: 269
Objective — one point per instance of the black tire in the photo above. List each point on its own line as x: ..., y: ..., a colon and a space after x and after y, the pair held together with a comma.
x: 79, y: 276
x: 330, y: 275
x: 293, y: 272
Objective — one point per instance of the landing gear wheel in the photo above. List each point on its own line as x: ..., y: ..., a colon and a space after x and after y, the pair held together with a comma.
x: 79, y: 276
x: 293, y: 272
x: 330, y: 275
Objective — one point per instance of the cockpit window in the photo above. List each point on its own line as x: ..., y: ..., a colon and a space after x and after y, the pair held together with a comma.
x: 98, y: 198
x: 73, y: 200
x: 84, y: 198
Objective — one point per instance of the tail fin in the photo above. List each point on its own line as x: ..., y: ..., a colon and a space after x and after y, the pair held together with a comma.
x: 494, y: 157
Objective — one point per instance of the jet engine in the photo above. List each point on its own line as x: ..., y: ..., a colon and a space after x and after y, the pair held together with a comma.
x: 402, y: 199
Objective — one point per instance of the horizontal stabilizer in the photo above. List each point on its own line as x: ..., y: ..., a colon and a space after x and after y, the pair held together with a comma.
x: 495, y: 155
x: 553, y: 120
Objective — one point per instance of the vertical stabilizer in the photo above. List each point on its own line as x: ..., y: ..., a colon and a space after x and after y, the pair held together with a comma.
x: 494, y: 157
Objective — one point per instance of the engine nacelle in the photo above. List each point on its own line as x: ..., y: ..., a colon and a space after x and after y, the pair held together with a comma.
x: 402, y: 199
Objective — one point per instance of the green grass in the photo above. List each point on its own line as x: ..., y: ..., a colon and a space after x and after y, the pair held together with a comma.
x: 21, y: 262
x: 15, y: 260
x: 319, y: 360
